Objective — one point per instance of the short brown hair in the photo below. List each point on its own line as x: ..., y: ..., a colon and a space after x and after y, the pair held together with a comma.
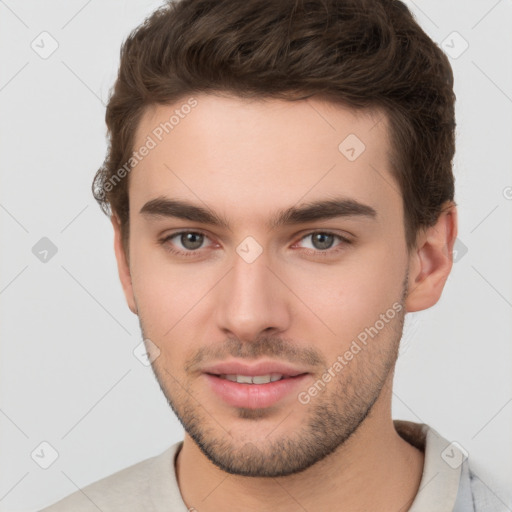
x: 358, y: 53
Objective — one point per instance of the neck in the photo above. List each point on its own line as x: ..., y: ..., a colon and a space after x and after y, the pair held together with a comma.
x: 374, y: 469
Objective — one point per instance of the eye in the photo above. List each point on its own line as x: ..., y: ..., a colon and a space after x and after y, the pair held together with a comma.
x: 322, y: 241
x: 191, y: 242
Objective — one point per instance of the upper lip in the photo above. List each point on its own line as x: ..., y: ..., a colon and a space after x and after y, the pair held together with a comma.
x: 260, y: 368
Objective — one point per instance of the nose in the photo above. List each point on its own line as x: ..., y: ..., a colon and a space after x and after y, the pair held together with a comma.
x: 252, y: 300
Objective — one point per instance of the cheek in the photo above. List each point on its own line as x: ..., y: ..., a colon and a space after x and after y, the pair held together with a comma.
x: 167, y: 293
x: 351, y: 296
x: 168, y: 300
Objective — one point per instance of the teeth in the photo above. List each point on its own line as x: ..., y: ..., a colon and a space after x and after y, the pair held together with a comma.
x: 262, y: 379
x: 257, y: 379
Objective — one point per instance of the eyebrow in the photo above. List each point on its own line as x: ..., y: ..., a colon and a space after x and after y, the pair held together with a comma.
x: 309, y: 212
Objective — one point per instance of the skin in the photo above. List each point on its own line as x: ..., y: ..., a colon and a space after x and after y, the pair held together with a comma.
x: 245, y: 160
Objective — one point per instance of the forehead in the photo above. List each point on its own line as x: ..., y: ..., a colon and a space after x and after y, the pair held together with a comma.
x: 244, y: 154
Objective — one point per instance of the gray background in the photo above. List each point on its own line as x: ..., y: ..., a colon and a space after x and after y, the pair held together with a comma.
x: 68, y: 374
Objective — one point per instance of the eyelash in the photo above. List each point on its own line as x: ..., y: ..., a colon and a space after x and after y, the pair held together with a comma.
x: 188, y: 254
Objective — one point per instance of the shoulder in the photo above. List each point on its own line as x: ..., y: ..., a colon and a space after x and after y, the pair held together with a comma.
x: 128, y: 489
x: 475, y: 495
x: 485, y: 498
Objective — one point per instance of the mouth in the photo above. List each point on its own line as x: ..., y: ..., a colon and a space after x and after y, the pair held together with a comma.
x: 254, y: 391
x: 254, y: 379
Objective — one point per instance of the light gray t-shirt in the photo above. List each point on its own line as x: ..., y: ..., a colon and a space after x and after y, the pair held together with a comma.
x: 447, y: 483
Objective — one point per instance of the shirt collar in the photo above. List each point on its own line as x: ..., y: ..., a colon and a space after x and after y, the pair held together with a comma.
x: 442, y: 468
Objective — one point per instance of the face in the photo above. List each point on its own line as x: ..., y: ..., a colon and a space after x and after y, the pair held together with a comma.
x: 264, y: 279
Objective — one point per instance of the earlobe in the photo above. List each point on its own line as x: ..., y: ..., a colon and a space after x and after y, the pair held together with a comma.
x: 123, y: 267
x: 431, y: 262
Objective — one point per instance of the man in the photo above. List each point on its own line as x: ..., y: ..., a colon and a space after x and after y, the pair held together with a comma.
x: 280, y: 186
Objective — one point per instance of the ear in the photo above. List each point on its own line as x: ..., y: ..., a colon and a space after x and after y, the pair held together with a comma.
x: 123, y: 267
x: 431, y: 261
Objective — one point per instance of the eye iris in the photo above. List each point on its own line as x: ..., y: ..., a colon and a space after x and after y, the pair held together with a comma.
x: 321, y: 238
x: 191, y: 240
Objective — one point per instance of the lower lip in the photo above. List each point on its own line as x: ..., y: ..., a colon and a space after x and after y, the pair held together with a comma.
x: 254, y: 396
